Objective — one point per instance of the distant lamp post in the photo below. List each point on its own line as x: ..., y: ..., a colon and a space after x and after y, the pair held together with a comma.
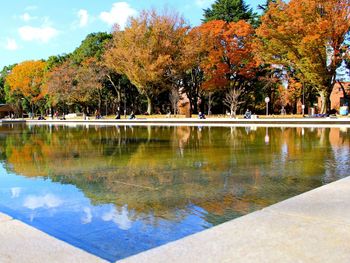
x: 303, y: 108
x: 267, y: 100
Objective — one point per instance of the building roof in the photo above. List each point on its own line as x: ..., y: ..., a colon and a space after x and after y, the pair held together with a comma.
x: 5, y: 108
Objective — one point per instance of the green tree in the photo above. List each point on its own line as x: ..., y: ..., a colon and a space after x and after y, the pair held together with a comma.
x: 54, y: 61
x: 92, y: 46
x: 230, y: 11
x: 3, y: 74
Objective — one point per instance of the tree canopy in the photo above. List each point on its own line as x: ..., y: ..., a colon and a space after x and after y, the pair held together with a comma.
x: 307, y: 37
x: 147, y: 50
x: 233, y: 60
x: 3, y: 74
x: 27, y: 79
x: 92, y: 46
x: 230, y: 55
x: 230, y: 11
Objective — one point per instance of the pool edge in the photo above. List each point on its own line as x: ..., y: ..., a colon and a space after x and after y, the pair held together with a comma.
x: 23, y: 243
x: 311, y: 227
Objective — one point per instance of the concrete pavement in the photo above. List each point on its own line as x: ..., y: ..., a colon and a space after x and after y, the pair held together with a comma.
x: 22, y: 243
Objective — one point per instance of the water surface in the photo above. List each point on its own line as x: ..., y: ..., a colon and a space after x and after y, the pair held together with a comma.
x: 116, y: 191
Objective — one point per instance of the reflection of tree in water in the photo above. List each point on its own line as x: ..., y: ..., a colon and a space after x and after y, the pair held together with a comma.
x: 165, y: 172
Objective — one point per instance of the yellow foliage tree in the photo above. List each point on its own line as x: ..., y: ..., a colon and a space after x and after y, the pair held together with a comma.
x: 146, y: 52
x: 27, y: 79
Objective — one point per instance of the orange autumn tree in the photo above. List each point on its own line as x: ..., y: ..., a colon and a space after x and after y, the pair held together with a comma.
x: 61, y: 83
x: 288, y: 96
x: 189, y: 70
x: 146, y: 52
x: 230, y: 64
x: 76, y: 85
x: 309, y: 38
x: 27, y: 79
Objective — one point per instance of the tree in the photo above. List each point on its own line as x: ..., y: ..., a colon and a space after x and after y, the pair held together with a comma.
x: 81, y: 76
x: 54, y: 61
x: 61, y: 83
x: 93, y: 45
x: 79, y: 85
x: 189, y: 74
x: 3, y: 74
x: 146, y: 52
x: 90, y: 79
x: 27, y: 80
x: 230, y: 64
x: 265, y: 6
x: 230, y: 11
x: 308, y: 37
x: 232, y: 100
x: 210, y: 101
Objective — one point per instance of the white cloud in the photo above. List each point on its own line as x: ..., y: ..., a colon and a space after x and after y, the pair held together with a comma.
x: 49, y: 201
x: 26, y: 17
x: 42, y: 34
x: 83, y: 17
x: 11, y: 44
x: 119, y: 14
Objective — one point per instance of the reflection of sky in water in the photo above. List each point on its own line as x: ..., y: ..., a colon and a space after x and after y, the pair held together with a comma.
x: 116, y: 192
x: 106, y: 230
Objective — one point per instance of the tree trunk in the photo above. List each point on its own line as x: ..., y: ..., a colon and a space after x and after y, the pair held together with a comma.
x: 233, y: 112
x: 99, y: 101
x: 119, y: 99
x: 119, y: 94
x: 149, y: 105
x: 210, y: 102
x: 190, y: 110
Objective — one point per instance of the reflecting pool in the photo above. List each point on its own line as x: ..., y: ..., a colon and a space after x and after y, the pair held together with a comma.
x: 116, y: 191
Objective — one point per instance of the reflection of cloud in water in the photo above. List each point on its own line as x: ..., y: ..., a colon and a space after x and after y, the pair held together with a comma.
x: 120, y: 218
x: 15, y: 192
x: 49, y: 201
x: 341, y: 164
x: 87, y: 218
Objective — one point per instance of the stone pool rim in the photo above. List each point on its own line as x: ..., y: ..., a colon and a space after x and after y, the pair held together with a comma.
x: 218, y: 122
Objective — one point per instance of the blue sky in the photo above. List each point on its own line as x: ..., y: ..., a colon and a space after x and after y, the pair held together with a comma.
x: 36, y: 29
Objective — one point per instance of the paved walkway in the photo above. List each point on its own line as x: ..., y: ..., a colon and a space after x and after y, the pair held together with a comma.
x: 22, y: 243
x: 312, y: 227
